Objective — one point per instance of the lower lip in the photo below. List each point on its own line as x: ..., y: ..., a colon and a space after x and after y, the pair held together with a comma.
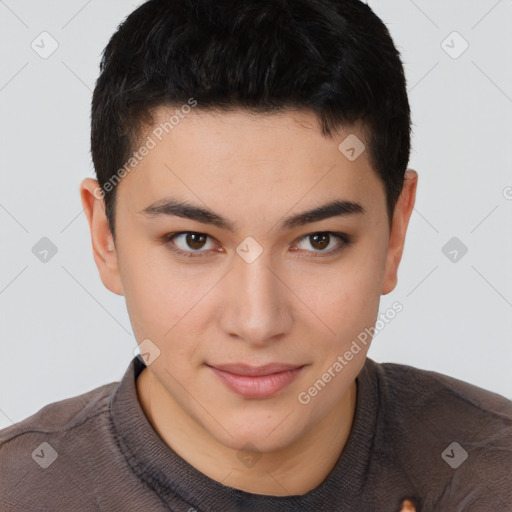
x: 262, y: 386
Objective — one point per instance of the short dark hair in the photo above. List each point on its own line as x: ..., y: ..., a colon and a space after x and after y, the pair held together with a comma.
x: 333, y: 57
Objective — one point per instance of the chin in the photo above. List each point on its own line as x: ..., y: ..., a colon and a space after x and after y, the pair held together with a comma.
x: 258, y: 443
x: 263, y: 433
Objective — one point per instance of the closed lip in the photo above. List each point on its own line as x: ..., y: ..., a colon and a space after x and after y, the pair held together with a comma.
x: 255, y: 371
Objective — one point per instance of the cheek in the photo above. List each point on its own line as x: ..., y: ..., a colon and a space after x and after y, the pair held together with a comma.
x: 152, y: 301
x: 165, y: 305
x: 343, y: 300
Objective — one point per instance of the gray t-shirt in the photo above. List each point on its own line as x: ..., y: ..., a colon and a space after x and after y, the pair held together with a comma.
x: 441, y: 443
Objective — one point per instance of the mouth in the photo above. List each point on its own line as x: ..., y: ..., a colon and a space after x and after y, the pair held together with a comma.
x: 257, y: 381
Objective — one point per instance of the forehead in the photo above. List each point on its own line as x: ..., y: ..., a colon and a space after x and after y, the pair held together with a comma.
x: 238, y: 158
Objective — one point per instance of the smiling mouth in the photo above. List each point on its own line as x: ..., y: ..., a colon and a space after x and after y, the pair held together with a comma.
x: 257, y: 381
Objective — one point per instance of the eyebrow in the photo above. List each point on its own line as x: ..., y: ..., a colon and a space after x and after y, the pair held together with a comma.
x: 173, y: 207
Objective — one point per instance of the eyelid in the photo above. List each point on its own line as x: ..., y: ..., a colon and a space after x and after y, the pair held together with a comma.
x: 346, y: 240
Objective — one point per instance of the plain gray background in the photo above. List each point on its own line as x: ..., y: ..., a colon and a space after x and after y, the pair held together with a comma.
x: 63, y: 333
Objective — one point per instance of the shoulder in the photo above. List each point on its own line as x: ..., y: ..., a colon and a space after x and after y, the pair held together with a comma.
x: 443, y: 407
x: 69, y: 430
x: 60, y: 416
x: 432, y: 391
x: 454, y: 439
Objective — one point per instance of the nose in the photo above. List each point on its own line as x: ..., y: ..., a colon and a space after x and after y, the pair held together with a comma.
x: 258, y: 306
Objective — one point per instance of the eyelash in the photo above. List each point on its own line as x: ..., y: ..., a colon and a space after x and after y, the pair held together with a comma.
x: 346, y: 240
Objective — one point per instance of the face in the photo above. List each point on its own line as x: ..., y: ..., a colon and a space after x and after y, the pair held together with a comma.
x: 239, y: 277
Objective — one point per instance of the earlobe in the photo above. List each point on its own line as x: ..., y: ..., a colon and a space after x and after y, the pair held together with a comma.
x: 103, y: 246
x: 401, y: 216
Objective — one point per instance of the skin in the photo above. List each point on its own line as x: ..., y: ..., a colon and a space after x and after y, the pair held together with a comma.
x: 296, y: 303
x: 408, y: 506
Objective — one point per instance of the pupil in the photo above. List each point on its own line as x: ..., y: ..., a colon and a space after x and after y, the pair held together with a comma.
x: 195, y: 240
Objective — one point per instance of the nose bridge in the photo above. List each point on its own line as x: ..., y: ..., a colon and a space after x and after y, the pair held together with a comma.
x: 258, y: 308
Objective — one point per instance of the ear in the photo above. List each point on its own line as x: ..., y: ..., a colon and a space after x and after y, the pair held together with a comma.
x: 103, y: 246
x: 401, y: 215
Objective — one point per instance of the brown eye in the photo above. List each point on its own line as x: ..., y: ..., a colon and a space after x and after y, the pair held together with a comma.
x: 195, y: 240
x: 188, y: 243
x: 320, y: 240
x: 324, y: 243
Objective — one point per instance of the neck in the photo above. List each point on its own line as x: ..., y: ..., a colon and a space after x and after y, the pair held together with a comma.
x: 294, y: 470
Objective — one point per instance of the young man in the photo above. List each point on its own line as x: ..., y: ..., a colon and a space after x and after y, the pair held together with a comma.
x: 251, y: 205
